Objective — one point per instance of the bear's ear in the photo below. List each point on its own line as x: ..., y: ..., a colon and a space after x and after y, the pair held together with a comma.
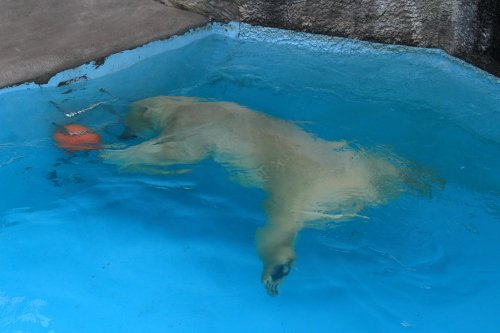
x: 136, y: 113
x: 136, y: 119
x: 149, y: 113
x: 140, y: 110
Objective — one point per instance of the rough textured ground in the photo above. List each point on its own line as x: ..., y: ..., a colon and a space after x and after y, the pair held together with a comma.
x: 41, y: 38
x: 468, y: 29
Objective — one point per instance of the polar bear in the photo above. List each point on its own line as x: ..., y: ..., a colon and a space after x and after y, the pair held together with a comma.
x: 307, y: 179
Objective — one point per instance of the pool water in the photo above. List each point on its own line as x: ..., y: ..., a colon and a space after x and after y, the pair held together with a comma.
x: 87, y: 248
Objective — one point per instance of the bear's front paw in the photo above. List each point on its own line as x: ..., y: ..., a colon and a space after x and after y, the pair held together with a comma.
x: 112, y: 156
x: 275, y: 275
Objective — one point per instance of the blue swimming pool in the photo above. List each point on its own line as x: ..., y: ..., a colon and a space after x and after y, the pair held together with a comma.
x: 87, y: 248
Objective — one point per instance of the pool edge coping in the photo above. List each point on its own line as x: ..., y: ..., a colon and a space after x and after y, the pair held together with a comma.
x: 236, y: 30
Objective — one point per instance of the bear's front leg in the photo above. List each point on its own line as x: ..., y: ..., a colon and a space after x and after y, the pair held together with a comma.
x: 149, y: 152
x: 154, y: 152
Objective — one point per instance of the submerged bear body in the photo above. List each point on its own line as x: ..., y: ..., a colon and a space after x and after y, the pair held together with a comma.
x: 307, y: 179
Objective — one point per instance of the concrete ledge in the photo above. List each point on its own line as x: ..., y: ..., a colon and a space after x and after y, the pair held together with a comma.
x: 41, y: 38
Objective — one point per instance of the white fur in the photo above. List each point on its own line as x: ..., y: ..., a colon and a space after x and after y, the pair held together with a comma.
x: 307, y: 179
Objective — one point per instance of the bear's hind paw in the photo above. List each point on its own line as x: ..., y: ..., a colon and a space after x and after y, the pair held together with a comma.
x: 271, y: 287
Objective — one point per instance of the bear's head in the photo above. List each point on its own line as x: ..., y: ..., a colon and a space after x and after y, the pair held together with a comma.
x: 150, y: 116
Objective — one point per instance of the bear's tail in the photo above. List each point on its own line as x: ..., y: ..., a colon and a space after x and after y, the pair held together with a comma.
x: 397, y: 175
x: 421, y: 180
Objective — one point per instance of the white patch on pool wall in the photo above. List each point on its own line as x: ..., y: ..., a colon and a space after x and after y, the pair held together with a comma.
x: 17, y: 310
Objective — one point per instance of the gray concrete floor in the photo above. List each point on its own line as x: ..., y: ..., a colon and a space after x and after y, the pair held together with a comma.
x: 41, y: 38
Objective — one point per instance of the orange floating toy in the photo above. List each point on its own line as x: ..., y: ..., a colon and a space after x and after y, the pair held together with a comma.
x: 77, y: 137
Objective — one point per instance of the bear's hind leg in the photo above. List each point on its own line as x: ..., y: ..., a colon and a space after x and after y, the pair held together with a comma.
x: 275, y: 246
